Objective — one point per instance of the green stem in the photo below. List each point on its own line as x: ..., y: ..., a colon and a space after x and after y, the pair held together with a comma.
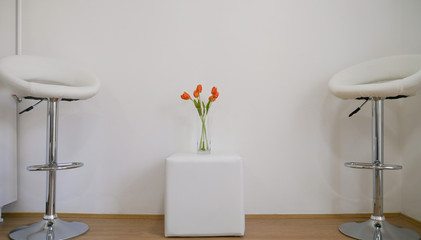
x: 203, y: 145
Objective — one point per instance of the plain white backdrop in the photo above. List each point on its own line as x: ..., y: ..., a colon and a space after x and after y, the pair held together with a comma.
x: 271, y: 61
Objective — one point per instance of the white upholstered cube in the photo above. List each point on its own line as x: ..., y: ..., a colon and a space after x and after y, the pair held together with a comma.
x: 204, y: 195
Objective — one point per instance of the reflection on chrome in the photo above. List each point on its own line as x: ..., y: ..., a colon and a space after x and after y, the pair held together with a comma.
x: 50, y: 231
x: 377, y: 233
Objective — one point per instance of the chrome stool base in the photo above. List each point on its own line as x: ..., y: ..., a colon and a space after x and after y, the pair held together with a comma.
x: 55, y: 229
x: 377, y: 230
x: 51, y: 227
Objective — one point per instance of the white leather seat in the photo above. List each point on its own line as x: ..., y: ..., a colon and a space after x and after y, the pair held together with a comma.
x: 383, y: 77
x: 43, y: 77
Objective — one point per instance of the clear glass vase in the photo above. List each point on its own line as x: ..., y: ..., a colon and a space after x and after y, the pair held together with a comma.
x: 204, y: 140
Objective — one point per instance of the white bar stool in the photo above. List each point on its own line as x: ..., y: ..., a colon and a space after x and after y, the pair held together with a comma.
x: 47, y: 79
x: 384, y: 78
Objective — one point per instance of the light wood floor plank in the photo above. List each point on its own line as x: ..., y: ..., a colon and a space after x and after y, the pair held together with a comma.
x: 282, y: 227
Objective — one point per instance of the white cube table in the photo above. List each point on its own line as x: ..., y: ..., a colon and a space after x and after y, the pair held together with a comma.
x: 204, y: 195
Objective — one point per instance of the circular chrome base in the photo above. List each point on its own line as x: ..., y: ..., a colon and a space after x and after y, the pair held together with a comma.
x: 377, y: 230
x: 49, y: 230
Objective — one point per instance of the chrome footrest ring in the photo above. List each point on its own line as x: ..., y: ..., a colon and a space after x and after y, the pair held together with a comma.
x: 361, y: 165
x: 55, y: 167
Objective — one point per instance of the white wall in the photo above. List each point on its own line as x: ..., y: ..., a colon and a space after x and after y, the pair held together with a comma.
x: 410, y: 119
x: 8, y: 141
x: 271, y: 61
x: 7, y: 26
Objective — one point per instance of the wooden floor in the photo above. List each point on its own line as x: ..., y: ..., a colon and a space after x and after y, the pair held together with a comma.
x: 281, y: 227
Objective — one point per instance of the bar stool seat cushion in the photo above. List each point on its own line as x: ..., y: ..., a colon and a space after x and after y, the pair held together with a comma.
x: 383, y: 77
x: 43, y: 77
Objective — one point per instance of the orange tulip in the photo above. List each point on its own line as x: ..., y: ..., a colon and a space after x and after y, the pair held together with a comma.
x: 199, y: 88
x: 196, y: 94
x: 214, y: 90
x: 185, y: 96
x: 215, y: 95
x: 212, y: 99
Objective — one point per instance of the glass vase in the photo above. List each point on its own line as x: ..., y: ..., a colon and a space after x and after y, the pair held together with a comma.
x: 204, y: 140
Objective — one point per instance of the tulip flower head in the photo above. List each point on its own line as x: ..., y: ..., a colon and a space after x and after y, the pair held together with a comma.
x: 199, y: 88
x: 185, y: 96
x: 214, y: 90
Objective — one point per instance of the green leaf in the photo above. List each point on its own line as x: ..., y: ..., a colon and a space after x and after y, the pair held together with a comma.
x: 207, y: 106
x: 199, y: 107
